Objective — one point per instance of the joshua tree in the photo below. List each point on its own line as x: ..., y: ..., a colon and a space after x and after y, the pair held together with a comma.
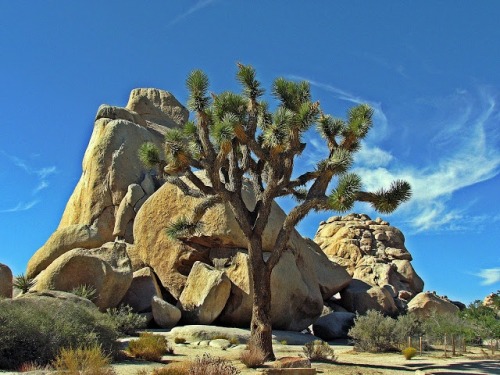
x: 236, y: 139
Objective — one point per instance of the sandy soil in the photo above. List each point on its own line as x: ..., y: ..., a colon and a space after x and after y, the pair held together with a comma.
x: 348, y: 361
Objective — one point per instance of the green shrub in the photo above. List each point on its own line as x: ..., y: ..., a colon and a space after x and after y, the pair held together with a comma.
x: 318, y: 350
x: 35, y: 329
x: 83, y: 361
x: 149, y: 347
x: 85, y: 291
x: 373, y: 332
x: 409, y: 352
x: 208, y: 365
x: 23, y: 283
x: 127, y: 322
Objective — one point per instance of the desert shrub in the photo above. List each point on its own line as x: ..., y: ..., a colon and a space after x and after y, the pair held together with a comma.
x: 149, y: 347
x: 85, y: 291
x: 127, y: 322
x: 23, y: 283
x: 409, y: 353
x: 83, y: 361
x: 318, y: 350
x: 208, y: 365
x: 175, y: 368
x: 253, y: 357
x: 36, y: 329
x: 408, y: 325
x: 373, y: 332
x: 179, y: 340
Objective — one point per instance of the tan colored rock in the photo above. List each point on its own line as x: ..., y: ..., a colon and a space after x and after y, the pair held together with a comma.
x: 164, y: 314
x: 142, y: 290
x: 371, y: 251
x: 205, y: 294
x: 106, y: 268
x: 5, y: 281
x: 360, y: 297
x: 65, y: 296
x: 118, y: 113
x: 426, y: 303
x: 158, y: 106
x: 126, y: 210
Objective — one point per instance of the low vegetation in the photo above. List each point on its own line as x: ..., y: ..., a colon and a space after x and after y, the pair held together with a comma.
x: 253, y: 356
x: 35, y: 330
x: 149, y: 347
x: 83, y: 361
x: 319, y: 351
x: 126, y: 320
x: 85, y: 291
x: 23, y: 283
x: 409, y: 353
x: 208, y: 365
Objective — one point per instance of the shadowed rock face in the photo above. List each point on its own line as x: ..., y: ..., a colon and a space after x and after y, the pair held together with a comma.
x: 374, y: 254
x: 5, y: 281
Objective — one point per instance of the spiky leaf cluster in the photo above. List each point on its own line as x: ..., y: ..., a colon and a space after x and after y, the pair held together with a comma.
x: 149, y: 154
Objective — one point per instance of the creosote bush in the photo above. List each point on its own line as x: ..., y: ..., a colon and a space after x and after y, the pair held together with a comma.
x: 35, y: 329
x: 83, y: 361
x: 149, y: 347
x: 208, y: 365
x: 126, y: 320
x: 318, y: 350
x: 409, y: 353
x: 253, y: 356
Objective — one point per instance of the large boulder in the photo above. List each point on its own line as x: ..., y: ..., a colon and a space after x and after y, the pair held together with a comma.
x: 107, y: 269
x: 427, y: 303
x: 114, y: 182
x: 306, y: 275
x: 205, y: 294
x: 360, y: 297
x: 142, y: 290
x: 333, y: 326
x: 5, y: 281
x: 374, y: 252
x: 57, y: 294
x: 165, y: 314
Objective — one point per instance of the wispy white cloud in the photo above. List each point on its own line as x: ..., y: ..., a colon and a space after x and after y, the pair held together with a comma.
x: 490, y: 276
x: 372, y: 156
x: 21, y: 206
x: 195, y: 8
x: 40, y: 180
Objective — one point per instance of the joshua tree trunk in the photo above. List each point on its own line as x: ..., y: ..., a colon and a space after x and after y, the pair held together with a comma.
x: 261, y: 329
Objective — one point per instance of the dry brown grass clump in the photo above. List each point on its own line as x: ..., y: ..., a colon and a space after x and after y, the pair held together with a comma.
x: 150, y: 347
x: 208, y: 365
x: 174, y: 368
x: 320, y: 351
x: 83, y: 361
x: 253, y: 357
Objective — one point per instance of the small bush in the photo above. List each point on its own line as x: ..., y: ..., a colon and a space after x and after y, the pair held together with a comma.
x: 85, y: 291
x: 253, y: 357
x: 23, y: 283
x: 83, y: 361
x: 179, y: 340
x: 373, y: 332
x: 35, y: 330
x: 127, y: 322
x: 149, y: 347
x: 208, y: 365
x: 175, y: 368
x: 409, y: 353
x: 318, y: 350
x: 284, y: 342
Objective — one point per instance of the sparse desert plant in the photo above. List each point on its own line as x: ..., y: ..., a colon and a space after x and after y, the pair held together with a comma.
x: 35, y: 330
x: 179, y: 340
x: 318, y: 350
x: 208, y: 365
x: 253, y: 356
x: 149, y: 347
x: 174, y: 368
x: 373, y: 332
x: 85, y: 291
x: 23, y: 283
x: 409, y: 352
x: 126, y: 320
x: 32, y: 366
x: 284, y: 342
x: 83, y: 361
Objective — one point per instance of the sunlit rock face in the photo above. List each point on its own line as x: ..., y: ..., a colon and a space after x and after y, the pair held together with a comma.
x: 374, y: 254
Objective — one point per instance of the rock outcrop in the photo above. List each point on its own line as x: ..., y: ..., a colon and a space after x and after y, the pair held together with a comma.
x: 142, y: 290
x: 165, y: 315
x: 114, y: 183
x: 374, y: 254
x: 333, y: 326
x: 302, y: 280
x: 5, y: 281
x: 107, y: 269
x: 427, y: 303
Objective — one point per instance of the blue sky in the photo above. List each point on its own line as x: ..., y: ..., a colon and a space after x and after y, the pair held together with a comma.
x: 428, y: 68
